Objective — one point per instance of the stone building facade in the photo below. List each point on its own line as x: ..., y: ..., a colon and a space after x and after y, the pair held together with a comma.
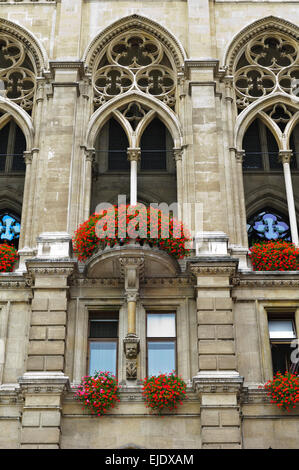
x: 90, y: 90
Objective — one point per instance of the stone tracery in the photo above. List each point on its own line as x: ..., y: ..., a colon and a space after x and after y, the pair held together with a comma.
x: 134, y: 61
x: 17, y: 74
x: 268, y: 64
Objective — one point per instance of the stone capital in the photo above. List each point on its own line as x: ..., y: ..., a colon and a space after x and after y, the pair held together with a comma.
x: 133, y: 154
x: 178, y: 154
x: 239, y: 154
x: 285, y: 156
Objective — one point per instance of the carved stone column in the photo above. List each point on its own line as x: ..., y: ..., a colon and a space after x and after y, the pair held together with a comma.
x: 131, y: 269
x: 89, y: 161
x: 178, y: 157
x: 133, y: 157
x: 285, y: 157
x: 239, y: 154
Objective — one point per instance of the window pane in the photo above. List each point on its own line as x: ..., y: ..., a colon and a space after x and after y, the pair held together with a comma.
x: 161, y: 357
x: 102, y: 357
x: 103, y: 329
x: 153, y: 146
x: 281, y: 357
x: 281, y: 329
x: 159, y: 325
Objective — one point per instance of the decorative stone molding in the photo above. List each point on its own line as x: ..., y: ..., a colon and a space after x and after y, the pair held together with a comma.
x: 13, y: 281
x: 254, y: 395
x: 168, y: 282
x: 44, y: 383
x: 268, y: 283
x: 40, y: 267
x: 67, y: 65
x: 224, y: 267
x: 218, y: 382
x: 85, y: 282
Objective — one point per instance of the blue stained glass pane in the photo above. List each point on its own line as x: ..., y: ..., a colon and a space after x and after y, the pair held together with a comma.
x: 161, y: 357
x: 102, y: 357
x: 9, y: 228
x: 267, y: 225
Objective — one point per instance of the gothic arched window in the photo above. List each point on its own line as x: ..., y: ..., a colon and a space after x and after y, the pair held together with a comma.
x: 12, y: 146
x: 156, y: 143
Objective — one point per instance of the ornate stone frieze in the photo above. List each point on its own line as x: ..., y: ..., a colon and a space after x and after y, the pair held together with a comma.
x: 214, y: 270
x: 262, y: 283
x: 11, y: 281
x: 85, y: 282
x: 219, y: 383
x: 168, y: 282
x: 254, y: 395
x: 43, y: 383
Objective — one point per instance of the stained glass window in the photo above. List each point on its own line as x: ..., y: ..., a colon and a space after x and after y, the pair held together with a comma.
x: 10, y: 228
x: 267, y: 225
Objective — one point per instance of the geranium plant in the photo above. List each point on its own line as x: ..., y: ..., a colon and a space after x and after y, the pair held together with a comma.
x: 274, y: 256
x: 283, y: 390
x: 164, y: 391
x: 8, y: 257
x: 121, y: 224
x: 98, y: 393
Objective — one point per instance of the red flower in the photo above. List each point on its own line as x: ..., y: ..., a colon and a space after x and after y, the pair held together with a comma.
x: 283, y: 390
x: 98, y: 393
x: 8, y: 257
x: 274, y: 256
x: 156, y: 229
x: 163, y: 391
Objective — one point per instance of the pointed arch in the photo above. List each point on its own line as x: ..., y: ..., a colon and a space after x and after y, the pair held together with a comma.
x: 256, y: 109
x: 266, y: 196
x: 267, y: 24
x: 22, y: 119
x: 33, y: 45
x: 141, y: 23
x: 165, y: 114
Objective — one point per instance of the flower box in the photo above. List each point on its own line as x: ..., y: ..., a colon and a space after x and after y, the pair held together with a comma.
x: 119, y: 225
x: 274, y: 256
x: 98, y: 393
x: 162, y: 392
x: 283, y: 390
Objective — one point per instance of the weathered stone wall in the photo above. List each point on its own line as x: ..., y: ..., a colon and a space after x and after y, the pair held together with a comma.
x: 223, y: 344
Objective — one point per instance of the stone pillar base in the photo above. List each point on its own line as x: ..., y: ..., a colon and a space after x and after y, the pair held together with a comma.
x: 41, y: 416
x: 220, y: 413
